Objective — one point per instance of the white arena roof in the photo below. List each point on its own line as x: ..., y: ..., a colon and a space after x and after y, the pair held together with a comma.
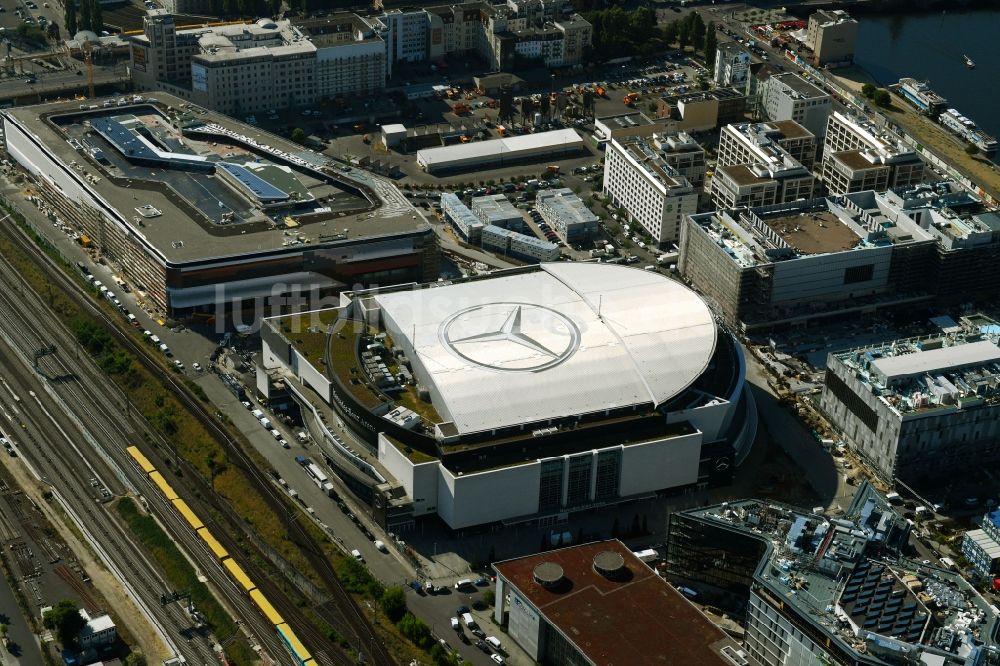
x: 508, y: 147
x: 564, y: 340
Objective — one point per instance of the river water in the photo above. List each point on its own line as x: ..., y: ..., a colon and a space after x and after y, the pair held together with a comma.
x: 930, y: 46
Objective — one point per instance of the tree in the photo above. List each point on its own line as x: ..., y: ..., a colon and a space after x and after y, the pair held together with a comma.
x: 684, y: 35
x: 299, y: 135
x: 70, y: 17
x: 135, y: 659
x: 697, y: 30
x: 96, y: 18
x: 972, y: 149
x: 393, y: 602
x: 64, y: 618
x: 415, y: 631
x: 489, y: 597
x: 868, y: 90
x: 86, y: 22
x: 274, y: 7
x: 711, y: 42
x: 670, y: 32
x: 882, y: 98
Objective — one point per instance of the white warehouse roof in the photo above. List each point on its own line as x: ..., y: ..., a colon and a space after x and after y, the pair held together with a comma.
x: 564, y: 340
x: 541, y: 142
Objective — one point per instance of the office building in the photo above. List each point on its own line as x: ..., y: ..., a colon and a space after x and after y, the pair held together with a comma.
x: 903, y: 403
x: 755, y: 168
x: 701, y: 111
x: 817, y: 590
x: 981, y: 546
x: 542, y: 385
x: 628, y: 123
x: 966, y: 265
x: 788, y: 96
x: 496, y: 209
x: 405, y: 34
x: 98, y: 631
x: 639, y: 178
x: 519, y: 246
x: 732, y: 65
x: 859, y: 156
x: 795, y: 262
x: 598, y: 603
x: 278, y: 220
x: 567, y: 214
x: 832, y: 35
x: 241, y: 69
x: 746, y: 143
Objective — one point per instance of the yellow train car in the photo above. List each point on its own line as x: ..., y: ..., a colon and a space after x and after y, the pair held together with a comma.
x: 190, y: 516
x: 266, y: 608
x: 237, y: 574
x: 213, y: 544
x: 164, y: 487
x: 141, y: 460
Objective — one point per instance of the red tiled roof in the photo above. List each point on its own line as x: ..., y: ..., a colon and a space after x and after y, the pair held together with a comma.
x: 637, y: 619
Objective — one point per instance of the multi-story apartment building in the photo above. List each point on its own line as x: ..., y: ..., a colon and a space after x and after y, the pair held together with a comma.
x: 832, y: 35
x: 732, y: 64
x: 788, y: 96
x: 639, y: 178
x: 755, y: 168
x: 858, y: 156
x: 250, y: 68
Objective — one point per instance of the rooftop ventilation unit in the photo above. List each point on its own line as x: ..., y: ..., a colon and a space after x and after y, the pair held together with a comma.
x: 609, y: 564
x: 548, y: 574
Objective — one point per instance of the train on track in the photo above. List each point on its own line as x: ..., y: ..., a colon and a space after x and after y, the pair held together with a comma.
x: 234, y: 570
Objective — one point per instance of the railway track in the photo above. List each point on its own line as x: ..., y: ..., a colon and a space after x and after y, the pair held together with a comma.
x: 82, y: 383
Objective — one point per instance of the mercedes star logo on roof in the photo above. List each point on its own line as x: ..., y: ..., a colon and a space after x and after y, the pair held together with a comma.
x: 510, y: 337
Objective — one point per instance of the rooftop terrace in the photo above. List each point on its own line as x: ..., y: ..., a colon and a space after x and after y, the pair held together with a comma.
x: 342, y: 212
x: 817, y: 233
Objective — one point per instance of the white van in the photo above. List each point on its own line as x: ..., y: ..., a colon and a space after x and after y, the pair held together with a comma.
x: 266, y: 423
x: 469, y: 621
x: 493, y: 642
x: 462, y: 584
x: 257, y: 414
x: 274, y: 433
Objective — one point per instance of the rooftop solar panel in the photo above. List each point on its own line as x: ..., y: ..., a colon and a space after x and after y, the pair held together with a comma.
x: 260, y: 188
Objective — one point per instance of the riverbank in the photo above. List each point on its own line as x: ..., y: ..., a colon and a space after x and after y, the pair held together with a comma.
x: 937, y: 139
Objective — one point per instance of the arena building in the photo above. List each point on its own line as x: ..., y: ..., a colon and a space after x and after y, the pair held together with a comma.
x: 199, y: 211
x: 562, y: 387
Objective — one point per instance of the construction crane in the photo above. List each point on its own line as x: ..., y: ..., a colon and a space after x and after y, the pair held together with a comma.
x: 88, y: 60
